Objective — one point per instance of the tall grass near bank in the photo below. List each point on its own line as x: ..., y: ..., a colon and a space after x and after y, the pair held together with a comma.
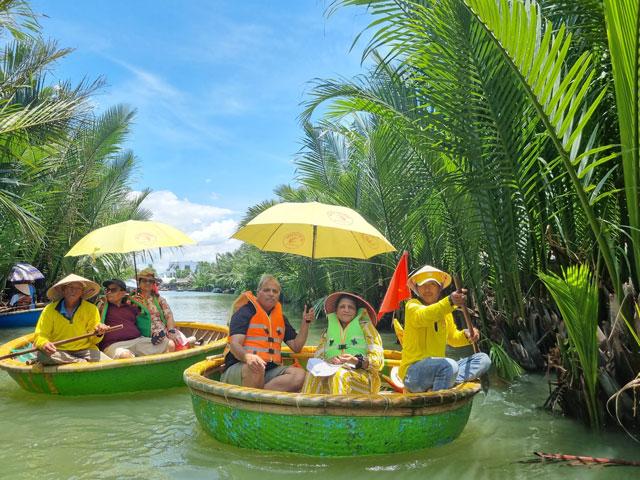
x: 576, y: 295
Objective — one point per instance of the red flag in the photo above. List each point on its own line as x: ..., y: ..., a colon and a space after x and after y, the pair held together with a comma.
x: 397, y: 290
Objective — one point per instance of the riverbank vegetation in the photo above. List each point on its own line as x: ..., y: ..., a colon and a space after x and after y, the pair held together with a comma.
x: 63, y: 169
x: 499, y: 140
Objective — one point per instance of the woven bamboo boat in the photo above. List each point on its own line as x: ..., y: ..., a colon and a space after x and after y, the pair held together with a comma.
x: 326, y: 425
x: 150, y: 372
x: 20, y: 318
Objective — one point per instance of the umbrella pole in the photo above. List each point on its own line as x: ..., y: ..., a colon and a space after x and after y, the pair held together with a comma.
x: 313, y: 264
x: 135, y: 269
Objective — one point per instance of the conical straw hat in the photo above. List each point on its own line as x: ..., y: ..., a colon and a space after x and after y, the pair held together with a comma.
x: 431, y: 273
x: 23, y: 288
x: 91, y: 289
x: 331, y: 303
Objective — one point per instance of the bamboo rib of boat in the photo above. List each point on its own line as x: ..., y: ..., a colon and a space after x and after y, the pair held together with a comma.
x: 326, y: 425
x: 150, y: 372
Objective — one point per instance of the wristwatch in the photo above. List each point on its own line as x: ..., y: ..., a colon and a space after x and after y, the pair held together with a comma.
x: 360, y: 360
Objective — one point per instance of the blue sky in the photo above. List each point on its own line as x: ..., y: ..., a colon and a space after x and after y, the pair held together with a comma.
x: 217, y: 86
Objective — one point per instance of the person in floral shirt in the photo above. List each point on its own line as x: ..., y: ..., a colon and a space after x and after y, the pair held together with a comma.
x: 162, y: 326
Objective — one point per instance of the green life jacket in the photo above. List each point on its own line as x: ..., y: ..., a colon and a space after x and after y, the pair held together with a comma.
x: 350, y: 340
x: 143, y: 320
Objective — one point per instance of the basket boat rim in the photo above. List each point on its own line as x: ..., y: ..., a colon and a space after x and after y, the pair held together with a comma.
x: 199, y: 384
x: 11, y: 365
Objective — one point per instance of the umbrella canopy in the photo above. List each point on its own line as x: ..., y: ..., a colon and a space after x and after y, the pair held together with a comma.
x: 314, y: 230
x: 24, y: 273
x: 129, y: 236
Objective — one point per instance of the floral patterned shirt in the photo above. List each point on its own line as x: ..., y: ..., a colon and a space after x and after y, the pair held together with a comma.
x: 157, y: 325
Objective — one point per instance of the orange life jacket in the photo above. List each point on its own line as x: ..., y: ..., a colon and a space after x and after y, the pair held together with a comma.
x: 266, y: 332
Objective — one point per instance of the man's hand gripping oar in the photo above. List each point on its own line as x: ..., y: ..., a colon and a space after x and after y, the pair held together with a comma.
x: 98, y: 331
x: 473, y: 335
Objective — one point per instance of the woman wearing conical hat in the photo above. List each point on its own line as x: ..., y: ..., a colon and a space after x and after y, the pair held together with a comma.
x: 162, y: 327
x: 429, y: 328
x: 70, y: 315
x: 352, y: 345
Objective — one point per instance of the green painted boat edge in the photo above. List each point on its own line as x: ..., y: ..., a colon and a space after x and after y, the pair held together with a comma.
x: 152, y: 372
x: 327, y: 425
x: 327, y: 435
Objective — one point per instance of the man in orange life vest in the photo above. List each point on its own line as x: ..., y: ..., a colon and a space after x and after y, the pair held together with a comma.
x: 256, y: 332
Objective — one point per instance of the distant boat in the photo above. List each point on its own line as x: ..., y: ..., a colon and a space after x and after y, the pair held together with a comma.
x: 150, y: 372
x: 20, y: 318
x: 326, y: 425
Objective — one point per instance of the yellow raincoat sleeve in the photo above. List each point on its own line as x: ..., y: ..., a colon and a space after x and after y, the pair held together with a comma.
x: 423, y: 315
x: 374, y: 347
x: 93, y: 322
x: 44, y: 327
x: 455, y: 337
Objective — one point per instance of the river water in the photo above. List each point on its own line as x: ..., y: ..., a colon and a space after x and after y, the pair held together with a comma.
x: 156, y: 436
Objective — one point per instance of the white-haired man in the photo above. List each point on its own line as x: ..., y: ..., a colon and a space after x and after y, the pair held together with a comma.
x: 256, y: 332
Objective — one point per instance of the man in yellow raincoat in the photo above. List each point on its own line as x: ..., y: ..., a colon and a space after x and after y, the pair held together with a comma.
x: 429, y: 328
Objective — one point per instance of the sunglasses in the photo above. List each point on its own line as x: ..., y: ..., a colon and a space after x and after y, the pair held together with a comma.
x: 147, y: 280
x: 112, y: 290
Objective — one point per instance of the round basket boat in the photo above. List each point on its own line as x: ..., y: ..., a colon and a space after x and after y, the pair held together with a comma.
x: 326, y: 425
x: 20, y: 318
x: 150, y: 372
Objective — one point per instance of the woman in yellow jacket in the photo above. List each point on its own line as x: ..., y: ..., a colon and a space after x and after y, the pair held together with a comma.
x: 352, y: 345
x: 429, y: 328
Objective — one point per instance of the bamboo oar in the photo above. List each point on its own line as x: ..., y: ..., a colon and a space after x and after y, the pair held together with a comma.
x: 60, y: 342
x: 484, y: 378
x: 467, y: 318
x: 580, y: 459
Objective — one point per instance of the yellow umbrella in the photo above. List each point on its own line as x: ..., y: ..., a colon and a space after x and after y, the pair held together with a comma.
x: 129, y: 236
x: 314, y: 230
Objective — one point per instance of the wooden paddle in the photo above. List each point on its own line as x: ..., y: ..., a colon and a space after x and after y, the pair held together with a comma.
x: 484, y: 378
x: 60, y: 342
x: 465, y: 312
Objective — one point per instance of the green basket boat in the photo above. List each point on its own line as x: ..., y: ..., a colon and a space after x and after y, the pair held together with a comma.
x: 150, y: 372
x: 326, y: 425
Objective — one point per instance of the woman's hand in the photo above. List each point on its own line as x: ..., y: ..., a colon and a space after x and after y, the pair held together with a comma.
x: 344, y: 358
x: 171, y: 334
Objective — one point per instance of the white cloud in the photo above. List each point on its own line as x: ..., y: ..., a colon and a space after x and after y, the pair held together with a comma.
x: 207, y: 224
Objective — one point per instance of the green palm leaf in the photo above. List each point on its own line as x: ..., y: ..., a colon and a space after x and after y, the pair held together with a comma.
x: 576, y: 296
x: 623, y: 28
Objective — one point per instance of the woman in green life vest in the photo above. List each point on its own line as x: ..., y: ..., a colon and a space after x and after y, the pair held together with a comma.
x: 352, y: 343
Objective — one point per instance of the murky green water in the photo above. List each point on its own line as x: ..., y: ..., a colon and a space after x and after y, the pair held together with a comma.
x: 156, y: 436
